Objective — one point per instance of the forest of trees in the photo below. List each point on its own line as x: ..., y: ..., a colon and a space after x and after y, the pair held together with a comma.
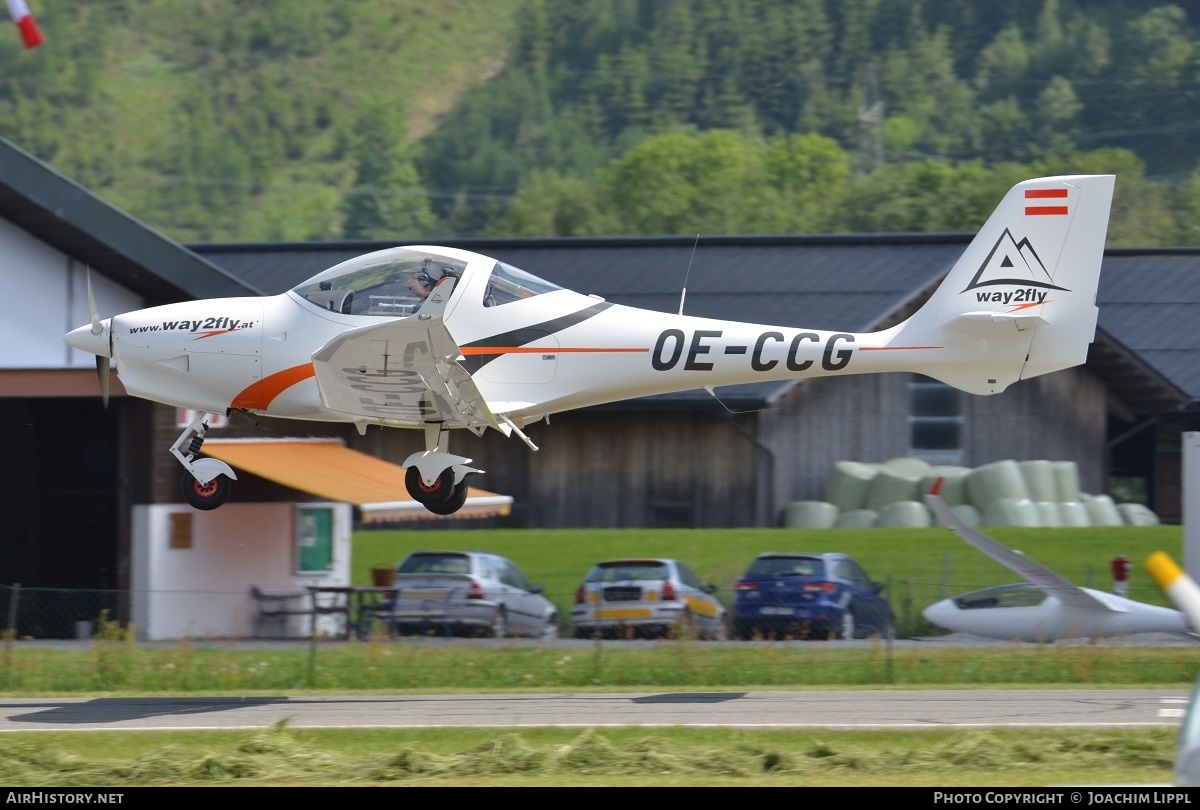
x: 308, y: 120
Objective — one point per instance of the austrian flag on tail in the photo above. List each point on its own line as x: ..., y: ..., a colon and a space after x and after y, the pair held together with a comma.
x: 30, y: 33
x: 1034, y: 205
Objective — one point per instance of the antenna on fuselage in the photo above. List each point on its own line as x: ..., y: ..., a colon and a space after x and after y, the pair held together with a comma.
x: 683, y: 293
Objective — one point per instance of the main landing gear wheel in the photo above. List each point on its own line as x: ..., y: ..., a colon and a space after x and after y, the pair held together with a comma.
x: 458, y: 496
x: 205, y: 496
x: 441, y: 489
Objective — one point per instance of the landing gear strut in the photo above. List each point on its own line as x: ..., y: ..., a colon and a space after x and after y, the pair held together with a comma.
x: 436, y: 478
x: 207, y: 482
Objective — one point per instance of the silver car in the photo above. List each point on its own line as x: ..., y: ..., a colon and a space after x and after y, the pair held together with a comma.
x: 646, y: 598
x: 466, y: 593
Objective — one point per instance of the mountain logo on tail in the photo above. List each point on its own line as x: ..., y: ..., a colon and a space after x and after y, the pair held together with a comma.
x: 1012, y: 262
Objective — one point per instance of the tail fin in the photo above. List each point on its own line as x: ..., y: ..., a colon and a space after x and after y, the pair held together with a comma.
x: 1021, y: 301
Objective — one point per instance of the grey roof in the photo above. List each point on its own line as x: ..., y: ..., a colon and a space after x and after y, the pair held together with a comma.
x: 68, y: 217
x: 1147, y: 348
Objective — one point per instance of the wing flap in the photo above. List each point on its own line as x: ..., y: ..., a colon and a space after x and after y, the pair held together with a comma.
x: 403, y: 371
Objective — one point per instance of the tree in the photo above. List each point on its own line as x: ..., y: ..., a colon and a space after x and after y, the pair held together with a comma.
x: 387, y: 199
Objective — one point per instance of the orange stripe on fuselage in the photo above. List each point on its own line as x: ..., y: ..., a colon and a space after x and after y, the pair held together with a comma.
x: 474, y: 350
x: 259, y: 395
x: 894, y: 348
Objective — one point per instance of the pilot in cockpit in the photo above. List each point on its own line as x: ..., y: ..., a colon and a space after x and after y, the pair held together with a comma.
x: 422, y: 280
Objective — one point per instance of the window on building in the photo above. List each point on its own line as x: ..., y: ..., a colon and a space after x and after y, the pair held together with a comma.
x: 935, y: 420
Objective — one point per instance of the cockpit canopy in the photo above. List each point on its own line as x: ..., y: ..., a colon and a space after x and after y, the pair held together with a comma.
x: 1021, y: 594
x: 382, y: 283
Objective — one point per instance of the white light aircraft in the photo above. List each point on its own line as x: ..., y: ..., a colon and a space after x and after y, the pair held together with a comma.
x: 1046, y: 608
x: 494, y: 347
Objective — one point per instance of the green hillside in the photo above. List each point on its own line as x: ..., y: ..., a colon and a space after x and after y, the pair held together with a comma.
x: 306, y: 120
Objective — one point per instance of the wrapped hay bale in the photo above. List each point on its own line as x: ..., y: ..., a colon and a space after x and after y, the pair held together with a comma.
x: 1136, y: 514
x: 1066, y: 477
x: 905, y: 515
x: 1039, y: 479
x: 1049, y: 514
x: 857, y: 519
x: 810, y: 515
x: 967, y: 514
x: 889, y: 486
x: 905, y: 465
x: 1012, y: 512
x: 954, y: 483
x: 1074, y: 514
x: 1103, y: 512
x: 994, y: 482
x: 848, y: 485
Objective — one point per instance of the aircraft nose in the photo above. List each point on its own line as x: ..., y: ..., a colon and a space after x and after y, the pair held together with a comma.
x: 86, y: 340
x: 940, y: 613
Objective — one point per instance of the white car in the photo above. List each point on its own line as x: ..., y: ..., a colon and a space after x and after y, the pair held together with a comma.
x: 646, y: 598
x: 467, y: 593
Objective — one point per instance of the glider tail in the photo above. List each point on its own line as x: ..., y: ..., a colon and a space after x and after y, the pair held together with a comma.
x: 1021, y: 300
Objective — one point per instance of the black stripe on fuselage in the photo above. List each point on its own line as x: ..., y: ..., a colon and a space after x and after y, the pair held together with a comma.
x: 526, y: 335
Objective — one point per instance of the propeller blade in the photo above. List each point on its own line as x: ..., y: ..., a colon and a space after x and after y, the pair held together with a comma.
x: 97, y: 326
x: 102, y: 369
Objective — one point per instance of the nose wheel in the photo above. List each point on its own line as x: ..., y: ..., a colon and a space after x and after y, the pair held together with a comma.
x: 205, y: 496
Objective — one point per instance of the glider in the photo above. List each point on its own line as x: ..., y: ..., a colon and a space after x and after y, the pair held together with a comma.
x: 1047, y: 607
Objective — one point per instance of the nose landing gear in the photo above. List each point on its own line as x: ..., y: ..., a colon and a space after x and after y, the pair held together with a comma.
x: 207, y: 482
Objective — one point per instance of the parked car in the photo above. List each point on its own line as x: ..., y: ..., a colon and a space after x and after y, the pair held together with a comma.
x: 803, y: 595
x: 646, y: 598
x: 466, y: 593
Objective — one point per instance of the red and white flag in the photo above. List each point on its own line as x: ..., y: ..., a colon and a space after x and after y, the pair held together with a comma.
x: 30, y: 33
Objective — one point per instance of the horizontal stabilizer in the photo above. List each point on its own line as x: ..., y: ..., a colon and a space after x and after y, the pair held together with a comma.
x: 981, y: 321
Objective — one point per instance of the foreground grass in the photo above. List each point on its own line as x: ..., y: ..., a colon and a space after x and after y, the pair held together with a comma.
x: 282, y: 756
x: 120, y: 666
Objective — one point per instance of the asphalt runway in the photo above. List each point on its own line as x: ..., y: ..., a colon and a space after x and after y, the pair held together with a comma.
x: 843, y: 710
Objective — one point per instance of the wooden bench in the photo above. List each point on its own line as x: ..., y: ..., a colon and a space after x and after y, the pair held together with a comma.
x: 278, y: 607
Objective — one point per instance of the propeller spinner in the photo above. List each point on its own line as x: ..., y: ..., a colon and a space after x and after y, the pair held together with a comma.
x: 95, y: 338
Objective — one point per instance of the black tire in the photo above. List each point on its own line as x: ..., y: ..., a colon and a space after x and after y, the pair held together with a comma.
x: 205, y: 496
x: 458, y: 496
x: 442, y: 486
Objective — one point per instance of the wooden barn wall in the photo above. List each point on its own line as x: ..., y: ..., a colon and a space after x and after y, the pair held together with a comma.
x: 612, y: 469
x: 1059, y: 417
x: 820, y: 422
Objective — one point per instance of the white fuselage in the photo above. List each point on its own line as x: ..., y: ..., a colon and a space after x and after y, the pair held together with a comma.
x: 256, y: 353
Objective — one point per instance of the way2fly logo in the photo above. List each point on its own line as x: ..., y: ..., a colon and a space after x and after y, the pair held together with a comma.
x: 1013, y: 263
x: 205, y: 328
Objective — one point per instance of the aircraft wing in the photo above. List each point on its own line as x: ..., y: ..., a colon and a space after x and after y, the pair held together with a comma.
x: 405, y: 371
x: 1064, y: 590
